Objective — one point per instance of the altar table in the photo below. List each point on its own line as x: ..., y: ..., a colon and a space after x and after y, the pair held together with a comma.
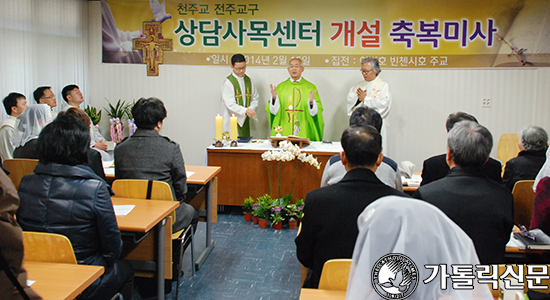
x: 245, y: 174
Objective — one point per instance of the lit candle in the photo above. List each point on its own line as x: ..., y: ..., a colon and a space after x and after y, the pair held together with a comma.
x: 219, y: 127
x: 233, y: 120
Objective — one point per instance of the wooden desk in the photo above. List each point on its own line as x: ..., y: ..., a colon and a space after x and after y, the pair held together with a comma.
x: 61, y: 281
x: 315, y: 294
x: 146, y: 215
x: 245, y: 173
x: 206, y: 177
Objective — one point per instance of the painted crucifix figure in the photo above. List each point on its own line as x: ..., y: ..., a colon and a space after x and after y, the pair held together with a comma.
x: 152, y: 46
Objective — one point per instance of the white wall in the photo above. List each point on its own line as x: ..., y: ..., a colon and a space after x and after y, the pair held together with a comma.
x: 422, y: 99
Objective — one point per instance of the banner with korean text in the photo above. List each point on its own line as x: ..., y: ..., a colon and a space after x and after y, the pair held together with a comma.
x: 327, y: 33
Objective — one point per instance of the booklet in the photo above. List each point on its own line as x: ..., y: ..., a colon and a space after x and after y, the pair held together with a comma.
x: 534, y: 239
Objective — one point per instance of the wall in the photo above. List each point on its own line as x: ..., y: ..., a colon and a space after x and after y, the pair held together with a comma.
x: 422, y: 99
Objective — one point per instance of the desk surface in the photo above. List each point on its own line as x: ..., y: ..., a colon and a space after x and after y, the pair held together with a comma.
x: 145, y: 215
x: 264, y: 145
x: 315, y: 294
x: 61, y: 281
x: 202, y: 175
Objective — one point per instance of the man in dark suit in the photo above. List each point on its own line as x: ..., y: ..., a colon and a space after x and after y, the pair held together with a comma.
x: 148, y: 155
x: 532, y: 145
x: 436, y: 167
x: 329, y: 227
x: 483, y: 208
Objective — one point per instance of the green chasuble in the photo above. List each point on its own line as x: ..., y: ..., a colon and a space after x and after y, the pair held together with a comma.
x: 245, y: 129
x: 293, y: 114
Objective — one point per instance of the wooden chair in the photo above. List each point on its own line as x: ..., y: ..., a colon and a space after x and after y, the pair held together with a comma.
x: 507, y: 147
x: 159, y: 190
x: 48, y: 247
x: 18, y: 168
x: 523, y: 202
x: 335, y: 275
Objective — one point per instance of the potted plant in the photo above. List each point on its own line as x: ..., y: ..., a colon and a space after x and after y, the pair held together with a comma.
x: 277, y: 216
x: 116, y: 113
x: 262, y: 209
x: 95, y: 116
x: 248, y: 203
x: 295, y: 213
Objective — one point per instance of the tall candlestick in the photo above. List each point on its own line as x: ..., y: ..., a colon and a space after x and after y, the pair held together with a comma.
x: 219, y: 127
x: 233, y: 134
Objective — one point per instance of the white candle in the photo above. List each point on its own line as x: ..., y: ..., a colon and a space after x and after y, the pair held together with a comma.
x: 219, y: 127
x: 233, y: 134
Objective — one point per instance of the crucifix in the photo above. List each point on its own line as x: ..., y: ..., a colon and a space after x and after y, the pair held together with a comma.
x: 293, y: 104
x: 152, y: 46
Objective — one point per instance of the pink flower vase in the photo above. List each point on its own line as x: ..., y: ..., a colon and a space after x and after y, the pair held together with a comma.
x: 131, y: 127
x: 116, y: 130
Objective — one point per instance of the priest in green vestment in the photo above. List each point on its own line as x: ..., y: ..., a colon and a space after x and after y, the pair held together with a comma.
x: 239, y: 97
x: 296, y: 106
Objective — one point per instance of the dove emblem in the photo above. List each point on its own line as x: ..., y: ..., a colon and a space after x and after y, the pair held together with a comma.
x: 159, y: 11
x: 394, y: 276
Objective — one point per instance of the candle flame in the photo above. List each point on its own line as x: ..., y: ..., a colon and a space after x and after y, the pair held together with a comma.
x: 218, y: 115
x: 233, y: 115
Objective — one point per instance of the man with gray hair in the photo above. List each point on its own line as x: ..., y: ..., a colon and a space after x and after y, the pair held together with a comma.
x: 533, y: 145
x: 372, y: 92
x: 483, y: 208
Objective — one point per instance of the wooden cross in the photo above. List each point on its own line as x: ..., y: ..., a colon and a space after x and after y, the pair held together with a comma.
x: 292, y: 111
x: 152, y: 46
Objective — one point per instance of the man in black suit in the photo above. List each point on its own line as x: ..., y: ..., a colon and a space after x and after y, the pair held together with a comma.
x: 436, y: 167
x: 329, y: 227
x: 483, y: 208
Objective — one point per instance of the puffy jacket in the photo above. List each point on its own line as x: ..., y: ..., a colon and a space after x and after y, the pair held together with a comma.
x: 75, y: 202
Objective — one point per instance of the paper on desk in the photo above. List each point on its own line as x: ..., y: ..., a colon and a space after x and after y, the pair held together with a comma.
x: 30, y: 282
x: 189, y: 173
x: 109, y: 171
x: 123, y: 210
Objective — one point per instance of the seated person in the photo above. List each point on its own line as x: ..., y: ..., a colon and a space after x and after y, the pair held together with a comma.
x: 15, y: 104
x: 31, y: 122
x: 394, y: 224
x: 94, y: 158
x: 532, y: 145
x: 387, y: 172
x: 149, y: 155
x: 541, y: 206
x: 11, y: 242
x: 436, y: 167
x: 63, y: 196
x: 329, y: 226
x: 483, y: 208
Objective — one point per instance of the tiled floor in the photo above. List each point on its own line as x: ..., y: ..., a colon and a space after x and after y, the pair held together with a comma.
x: 247, y: 262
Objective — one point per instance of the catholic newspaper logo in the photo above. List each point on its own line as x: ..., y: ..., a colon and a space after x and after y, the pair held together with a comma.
x: 394, y: 276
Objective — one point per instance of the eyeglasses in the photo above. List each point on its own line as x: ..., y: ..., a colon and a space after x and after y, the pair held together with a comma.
x: 365, y: 71
x: 240, y: 69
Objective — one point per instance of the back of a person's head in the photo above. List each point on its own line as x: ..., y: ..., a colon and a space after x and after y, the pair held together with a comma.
x: 66, y: 141
x: 237, y: 58
x: 78, y: 113
x: 363, y: 116
x: 39, y: 92
x: 11, y: 101
x: 470, y: 144
x: 67, y: 90
x: 534, y: 138
x: 362, y: 145
x: 148, y: 112
x: 456, y: 117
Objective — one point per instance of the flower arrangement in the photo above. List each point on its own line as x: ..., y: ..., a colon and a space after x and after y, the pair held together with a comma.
x: 289, y: 152
x: 262, y: 207
x: 277, y: 214
x: 296, y: 210
x: 116, y: 113
x: 131, y: 125
x: 278, y: 210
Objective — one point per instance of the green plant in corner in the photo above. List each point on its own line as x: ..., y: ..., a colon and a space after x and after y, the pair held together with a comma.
x: 94, y: 115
